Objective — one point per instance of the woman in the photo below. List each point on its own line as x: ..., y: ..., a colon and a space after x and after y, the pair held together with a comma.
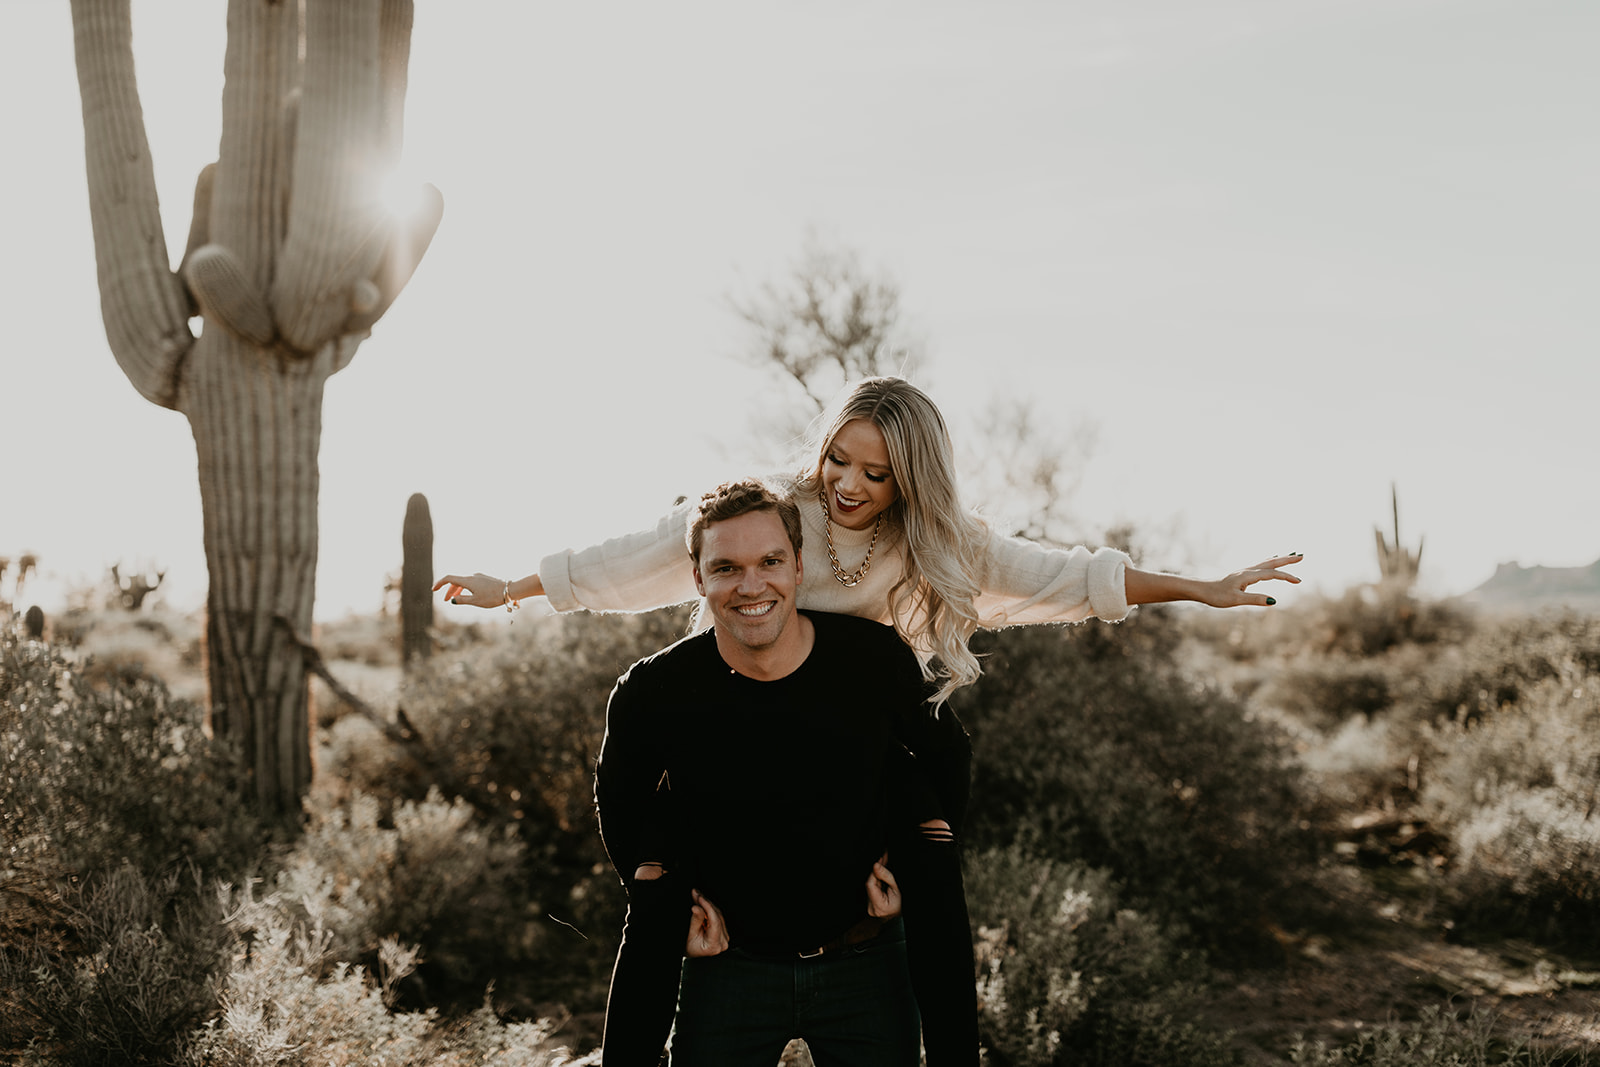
x: 886, y: 537
x: 883, y: 517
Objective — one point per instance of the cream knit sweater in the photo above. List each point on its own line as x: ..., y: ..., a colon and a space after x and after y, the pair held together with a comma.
x: 1019, y: 581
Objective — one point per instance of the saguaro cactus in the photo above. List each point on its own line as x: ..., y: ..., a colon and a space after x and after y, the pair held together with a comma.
x: 1397, y: 564
x: 416, y: 581
x: 290, y: 261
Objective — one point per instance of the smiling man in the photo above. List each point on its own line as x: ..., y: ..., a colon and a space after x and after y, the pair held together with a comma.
x: 757, y: 762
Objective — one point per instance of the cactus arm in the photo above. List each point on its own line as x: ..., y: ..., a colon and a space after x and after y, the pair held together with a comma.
x: 408, y: 240
x: 226, y: 295
x: 335, y: 235
x: 262, y: 70
x: 199, y: 224
x: 143, y: 303
x: 394, y: 58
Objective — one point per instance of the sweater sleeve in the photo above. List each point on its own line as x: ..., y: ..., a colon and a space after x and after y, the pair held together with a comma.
x: 635, y: 572
x: 626, y: 775
x: 1025, y: 582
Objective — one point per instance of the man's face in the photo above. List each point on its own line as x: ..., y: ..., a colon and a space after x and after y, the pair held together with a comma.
x: 748, y: 573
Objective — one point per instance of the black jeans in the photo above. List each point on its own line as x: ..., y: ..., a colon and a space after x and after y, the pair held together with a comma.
x: 853, y: 1008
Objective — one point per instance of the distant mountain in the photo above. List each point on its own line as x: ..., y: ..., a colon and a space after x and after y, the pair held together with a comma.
x: 1515, y: 588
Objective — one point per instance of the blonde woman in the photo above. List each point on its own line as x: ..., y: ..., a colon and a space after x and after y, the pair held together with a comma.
x: 886, y: 537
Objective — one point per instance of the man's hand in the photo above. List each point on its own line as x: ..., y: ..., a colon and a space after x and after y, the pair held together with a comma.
x: 708, y: 935
x: 883, y: 892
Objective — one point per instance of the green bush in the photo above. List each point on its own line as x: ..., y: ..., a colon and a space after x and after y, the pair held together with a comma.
x: 115, y: 809
x: 428, y: 874
x: 1438, y: 1039
x: 1086, y: 738
x: 1369, y: 620
x: 288, y: 1001
x: 1499, y: 662
x: 128, y: 968
x: 98, y: 776
x: 1322, y: 693
x: 1516, y: 794
x: 513, y: 727
x: 1068, y: 976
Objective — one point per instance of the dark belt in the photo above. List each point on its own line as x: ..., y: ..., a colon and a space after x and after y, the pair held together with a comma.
x: 864, y: 930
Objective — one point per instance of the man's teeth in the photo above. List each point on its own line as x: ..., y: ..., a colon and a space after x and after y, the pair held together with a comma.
x: 753, y: 611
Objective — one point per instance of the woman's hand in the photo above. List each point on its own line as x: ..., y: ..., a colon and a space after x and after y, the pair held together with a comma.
x: 1230, y: 592
x: 1146, y: 587
x: 477, y: 590
x: 883, y: 892
x: 708, y: 935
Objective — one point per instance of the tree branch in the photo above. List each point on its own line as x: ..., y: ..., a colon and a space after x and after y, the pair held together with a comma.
x: 401, y: 733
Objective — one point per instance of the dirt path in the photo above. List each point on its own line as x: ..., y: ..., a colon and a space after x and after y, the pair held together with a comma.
x: 1394, y: 964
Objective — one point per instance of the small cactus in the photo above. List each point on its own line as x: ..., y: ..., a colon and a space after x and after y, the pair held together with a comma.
x: 1397, y: 564
x: 416, y: 581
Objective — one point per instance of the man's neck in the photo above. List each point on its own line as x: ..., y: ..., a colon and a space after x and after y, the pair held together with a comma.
x: 778, y: 660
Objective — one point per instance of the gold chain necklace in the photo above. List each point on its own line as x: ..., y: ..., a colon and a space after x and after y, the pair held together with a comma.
x: 849, y: 581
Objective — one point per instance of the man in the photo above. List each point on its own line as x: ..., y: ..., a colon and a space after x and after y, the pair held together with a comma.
x: 757, y: 764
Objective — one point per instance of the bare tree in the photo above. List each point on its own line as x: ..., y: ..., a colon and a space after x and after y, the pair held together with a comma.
x: 128, y: 592
x: 290, y: 261
x: 828, y: 323
x: 1027, y: 469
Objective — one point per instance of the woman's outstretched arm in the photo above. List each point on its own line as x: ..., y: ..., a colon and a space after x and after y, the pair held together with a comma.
x: 639, y: 571
x: 1148, y: 587
x: 486, y: 591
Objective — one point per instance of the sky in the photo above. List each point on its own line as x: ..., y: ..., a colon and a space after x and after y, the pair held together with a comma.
x: 1272, y: 256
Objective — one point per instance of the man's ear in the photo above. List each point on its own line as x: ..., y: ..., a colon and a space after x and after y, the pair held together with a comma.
x: 799, y: 568
x: 699, y: 586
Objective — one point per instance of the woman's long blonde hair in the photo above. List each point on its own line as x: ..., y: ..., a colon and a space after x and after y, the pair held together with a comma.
x: 931, y: 603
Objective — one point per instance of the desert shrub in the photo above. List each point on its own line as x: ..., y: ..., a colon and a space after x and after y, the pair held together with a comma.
x: 129, y: 968
x: 1361, y: 622
x: 513, y: 726
x: 289, y: 1001
x: 1325, y: 691
x: 1500, y: 661
x: 1516, y: 793
x: 1361, y: 765
x: 427, y: 872
x: 1437, y: 1039
x: 1087, y: 739
x: 115, y: 808
x: 98, y: 776
x: 1068, y: 976
x: 1367, y: 620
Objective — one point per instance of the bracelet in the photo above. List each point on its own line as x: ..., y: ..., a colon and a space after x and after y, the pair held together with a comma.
x: 505, y: 594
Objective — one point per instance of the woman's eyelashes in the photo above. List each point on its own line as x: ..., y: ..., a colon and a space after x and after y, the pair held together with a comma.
x: 875, y: 478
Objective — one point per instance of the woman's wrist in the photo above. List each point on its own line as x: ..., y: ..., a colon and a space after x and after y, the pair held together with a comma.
x: 1148, y: 587
x: 523, y: 588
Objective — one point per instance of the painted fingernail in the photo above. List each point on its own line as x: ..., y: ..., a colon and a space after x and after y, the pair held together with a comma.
x: 1271, y: 601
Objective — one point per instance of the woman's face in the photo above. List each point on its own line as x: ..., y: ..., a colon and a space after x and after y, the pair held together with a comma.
x: 856, y: 478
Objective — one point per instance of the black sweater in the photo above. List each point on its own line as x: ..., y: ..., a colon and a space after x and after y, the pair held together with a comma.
x: 782, y: 793
x: 779, y: 790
